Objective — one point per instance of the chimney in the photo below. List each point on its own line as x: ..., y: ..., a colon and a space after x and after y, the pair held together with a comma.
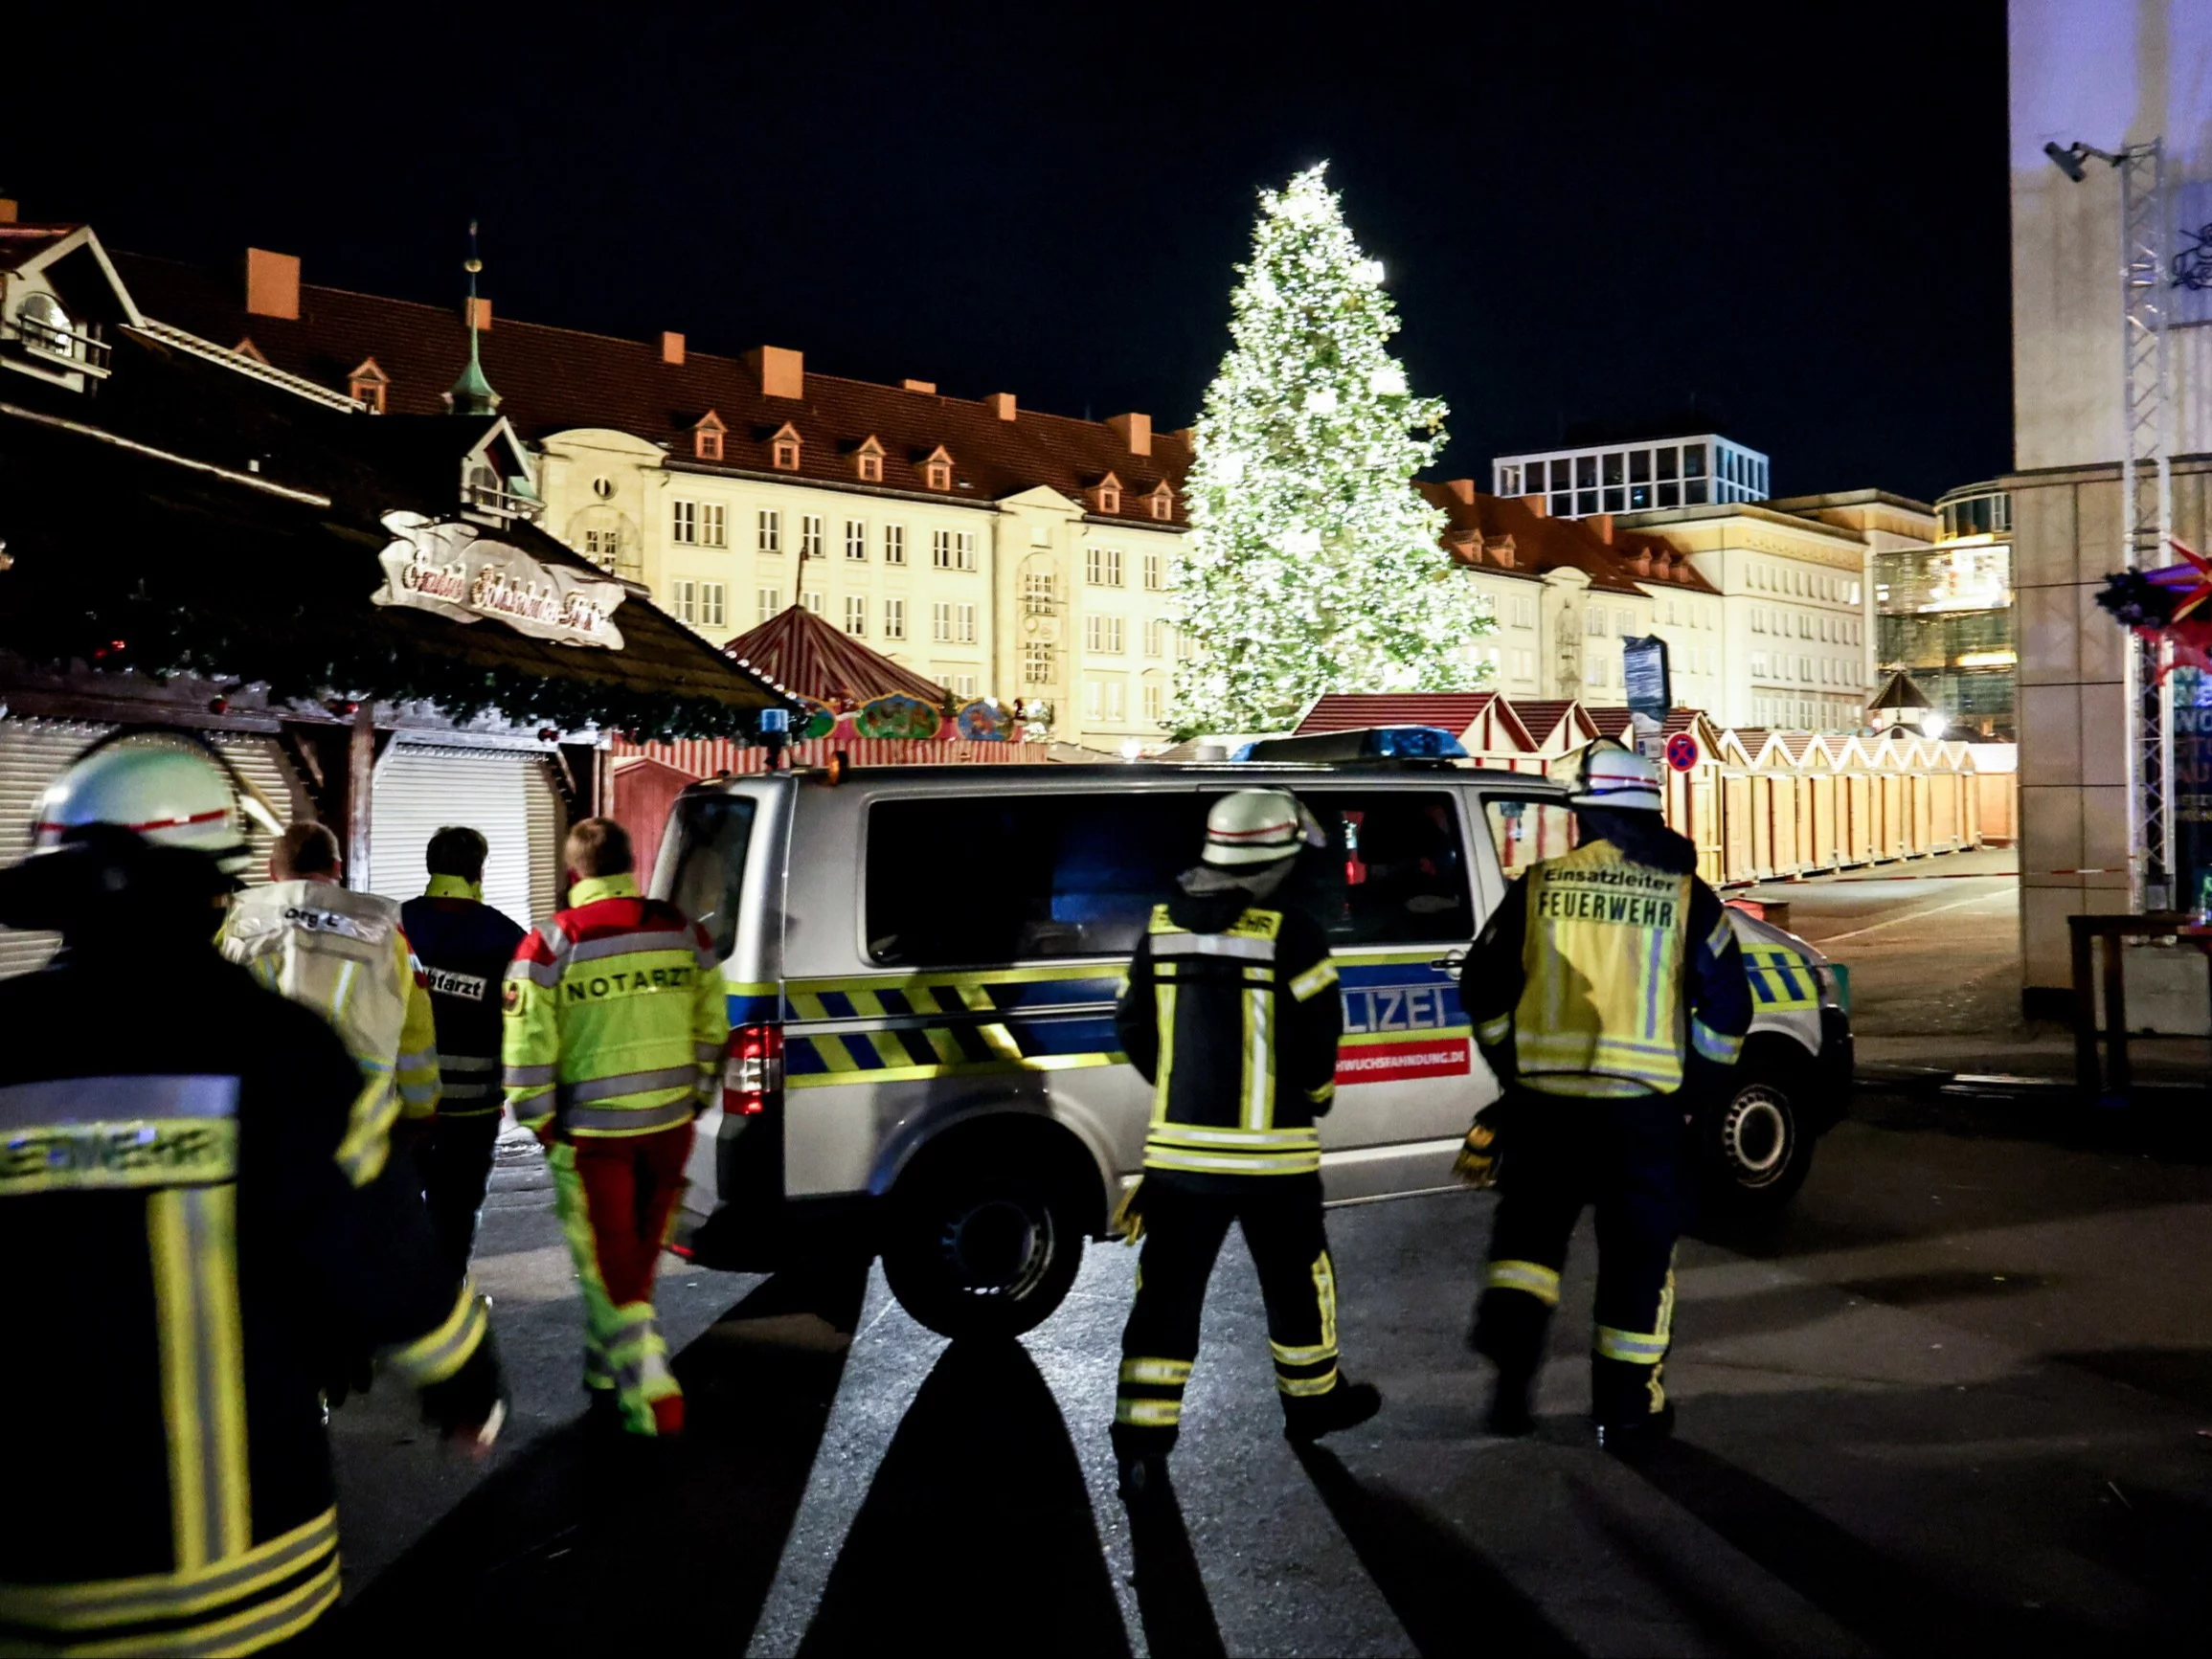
x: 477, y: 314
x: 927, y: 387
x: 782, y: 370
x: 7, y: 212
x: 1602, y: 523
x: 671, y: 348
x: 1536, y: 504
x: 272, y: 283
x: 1000, y: 404
x: 1135, y: 430
x: 1462, y: 489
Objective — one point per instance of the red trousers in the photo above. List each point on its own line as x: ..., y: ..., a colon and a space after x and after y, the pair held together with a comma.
x: 631, y: 1185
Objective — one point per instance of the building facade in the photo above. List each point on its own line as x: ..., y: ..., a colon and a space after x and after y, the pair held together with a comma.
x: 1644, y: 476
x: 1944, y: 614
x: 2086, y: 76
x: 1000, y: 551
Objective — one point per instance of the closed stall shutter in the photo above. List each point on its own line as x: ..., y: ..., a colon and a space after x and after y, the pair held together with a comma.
x: 420, y: 787
x: 34, y: 752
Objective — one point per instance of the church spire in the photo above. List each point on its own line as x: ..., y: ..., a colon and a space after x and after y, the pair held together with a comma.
x: 472, y: 393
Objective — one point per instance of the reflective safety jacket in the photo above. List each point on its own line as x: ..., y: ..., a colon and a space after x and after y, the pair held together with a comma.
x: 344, y: 954
x: 1231, y: 1013
x: 616, y: 1017
x: 463, y: 946
x: 1599, y: 974
x: 171, y: 1206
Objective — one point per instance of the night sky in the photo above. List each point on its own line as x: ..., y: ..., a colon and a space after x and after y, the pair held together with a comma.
x: 1787, y: 223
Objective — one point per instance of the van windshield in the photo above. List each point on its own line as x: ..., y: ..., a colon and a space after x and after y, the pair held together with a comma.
x: 714, y: 832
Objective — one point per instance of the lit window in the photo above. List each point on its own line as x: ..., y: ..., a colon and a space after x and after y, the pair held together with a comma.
x: 684, y: 522
x: 894, y: 543
x: 941, y: 621
x: 855, y: 616
x: 771, y: 530
x: 766, y: 602
x: 1036, y: 664
x: 894, y: 618
x: 713, y: 525
x: 1037, y: 597
x: 1153, y: 569
x: 810, y: 535
x: 603, y: 548
x: 856, y: 538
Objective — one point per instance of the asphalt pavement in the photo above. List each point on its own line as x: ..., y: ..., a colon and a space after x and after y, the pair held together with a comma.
x: 1952, y: 1401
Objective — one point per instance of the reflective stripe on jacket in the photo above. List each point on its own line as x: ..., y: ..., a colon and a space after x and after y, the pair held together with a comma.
x: 616, y: 1018
x: 465, y: 947
x: 344, y: 954
x: 1598, y: 976
x: 1236, y: 1026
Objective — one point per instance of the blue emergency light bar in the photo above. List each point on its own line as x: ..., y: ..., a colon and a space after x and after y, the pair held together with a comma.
x: 1371, y: 743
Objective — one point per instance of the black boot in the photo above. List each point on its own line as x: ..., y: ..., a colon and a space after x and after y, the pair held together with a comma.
x: 1509, y: 1414
x: 1306, y: 1419
x: 1631, y: 1404
x: 1141, y: 1463
x: 1509, y: 1331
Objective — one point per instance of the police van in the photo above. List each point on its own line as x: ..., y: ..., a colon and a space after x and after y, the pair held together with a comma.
x: 921, y: 965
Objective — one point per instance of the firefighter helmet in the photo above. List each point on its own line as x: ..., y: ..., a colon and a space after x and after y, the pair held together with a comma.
x: 171, y: 789
x: 1618, y: 778
x: 1257, y: 826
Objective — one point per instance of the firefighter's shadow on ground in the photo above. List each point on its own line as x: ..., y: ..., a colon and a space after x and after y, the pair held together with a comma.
x: 977, y: 1528
x: 1440, y: 1586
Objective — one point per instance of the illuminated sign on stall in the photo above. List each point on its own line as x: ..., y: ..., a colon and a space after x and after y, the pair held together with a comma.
x: 457, y: 570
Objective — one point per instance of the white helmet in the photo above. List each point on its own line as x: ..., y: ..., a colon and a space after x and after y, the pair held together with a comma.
x: 168, y: 788
x: 1615, y: 777
x: 1618, y: 778
x: 1257, y: 826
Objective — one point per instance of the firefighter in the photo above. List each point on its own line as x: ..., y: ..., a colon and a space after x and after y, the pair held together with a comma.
x: 1607, y: 994
x: 345, y: 956
x: 615, y: 1032
x: 171, y: 1184
x: 1232, y: 1011
x: 463, y: 946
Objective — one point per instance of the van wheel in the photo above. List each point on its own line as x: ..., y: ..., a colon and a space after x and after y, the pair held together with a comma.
x: 981, y: 1251
x: 1754, y: 1152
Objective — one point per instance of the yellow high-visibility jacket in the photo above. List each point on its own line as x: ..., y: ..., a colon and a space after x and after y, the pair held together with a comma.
x: 616, y: 1018
x: 1601, y: 976
x: 344, y: 954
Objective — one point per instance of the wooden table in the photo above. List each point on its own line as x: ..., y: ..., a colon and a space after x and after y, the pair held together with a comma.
x: 2152, y: 925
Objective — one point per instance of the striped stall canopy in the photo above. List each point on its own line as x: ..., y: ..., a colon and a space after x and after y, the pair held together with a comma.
x: 799, y: 651
x: 704, y: 757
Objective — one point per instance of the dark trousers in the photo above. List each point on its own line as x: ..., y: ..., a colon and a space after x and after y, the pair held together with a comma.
x: 456, y: 1172
x: 1184, y: 1228
x: 1556, y: 1155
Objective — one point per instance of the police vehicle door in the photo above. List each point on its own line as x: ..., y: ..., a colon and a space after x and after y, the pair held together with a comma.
x: 1392, y: 891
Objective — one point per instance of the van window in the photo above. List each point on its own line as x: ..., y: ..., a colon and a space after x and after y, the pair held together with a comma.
x: 1523, y: 831
x: 715, y: 832
x: 1008, y: 878
x: 1395, y: 870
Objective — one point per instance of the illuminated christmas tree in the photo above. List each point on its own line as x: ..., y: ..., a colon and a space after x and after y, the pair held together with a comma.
x: 1313, y: 565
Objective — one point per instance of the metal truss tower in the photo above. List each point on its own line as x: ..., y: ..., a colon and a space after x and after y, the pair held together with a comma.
x: 2146, y: 511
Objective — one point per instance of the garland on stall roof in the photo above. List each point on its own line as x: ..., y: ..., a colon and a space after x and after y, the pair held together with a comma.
x: 165, y: 642
x: 2167, y: 607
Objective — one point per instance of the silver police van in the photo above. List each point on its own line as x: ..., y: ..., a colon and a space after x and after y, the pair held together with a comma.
x: 921, y: 965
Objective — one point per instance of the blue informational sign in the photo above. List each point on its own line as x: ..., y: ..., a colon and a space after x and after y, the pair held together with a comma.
x: 1644, y: 673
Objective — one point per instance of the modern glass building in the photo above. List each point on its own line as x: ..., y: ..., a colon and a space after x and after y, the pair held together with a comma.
x: 1944, y: 613
x: 1634, y: 477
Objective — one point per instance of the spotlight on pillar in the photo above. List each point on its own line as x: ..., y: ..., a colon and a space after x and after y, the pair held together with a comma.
x: 2068, y: 159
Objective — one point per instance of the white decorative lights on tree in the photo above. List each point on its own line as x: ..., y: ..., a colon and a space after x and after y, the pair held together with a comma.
x: 1313, y: 564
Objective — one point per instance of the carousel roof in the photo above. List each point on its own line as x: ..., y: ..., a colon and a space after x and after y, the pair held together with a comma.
x: 803, y: 653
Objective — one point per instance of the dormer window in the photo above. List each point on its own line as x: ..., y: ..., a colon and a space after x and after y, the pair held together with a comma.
x: 707, y: 437
x: 783, y: 448
x: 369, y: 386
x: 936, y: 469
x: 44, y: 324
x: 868, y: 461
x: 1161, y: 502
x: 1105, y: 495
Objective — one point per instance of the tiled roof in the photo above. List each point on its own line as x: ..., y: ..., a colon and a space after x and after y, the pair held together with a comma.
x: 1541, y: 543
x: 1542, y: 715
x: 803, y: 653
x: 1351, y: 710
x: 556, y: 379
